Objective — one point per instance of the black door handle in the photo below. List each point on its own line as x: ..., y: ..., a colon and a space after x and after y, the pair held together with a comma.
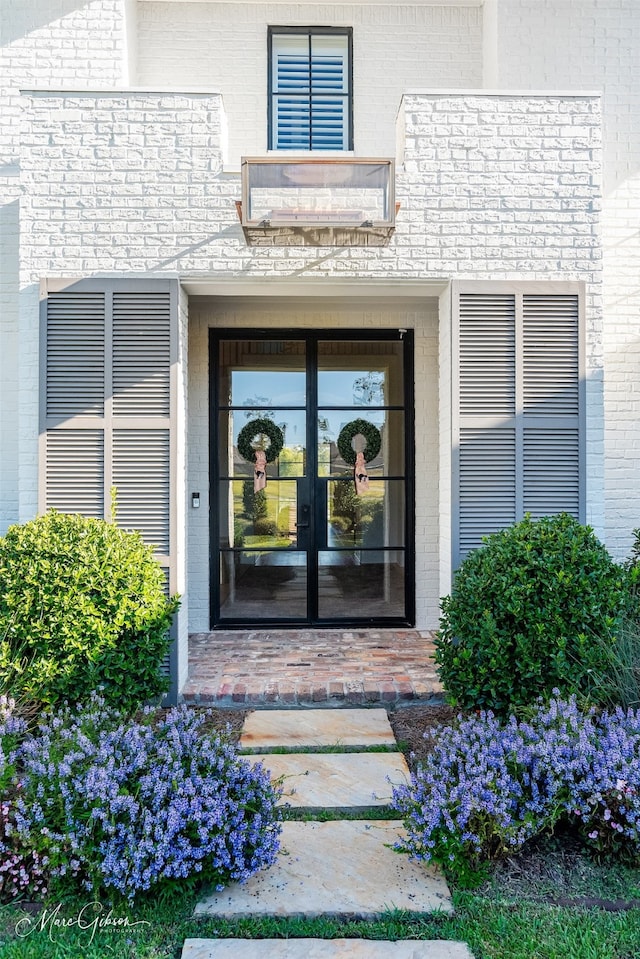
x: 306, y: 519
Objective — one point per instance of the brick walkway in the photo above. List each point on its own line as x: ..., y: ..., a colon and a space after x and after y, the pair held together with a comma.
x: 321, y: 666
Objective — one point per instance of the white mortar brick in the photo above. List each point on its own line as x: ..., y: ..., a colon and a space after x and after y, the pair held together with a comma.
x: 595, y: 44
x: 229, y: 313
x: 395, y: 46
x: 129, y: 182
x: 504, y: 187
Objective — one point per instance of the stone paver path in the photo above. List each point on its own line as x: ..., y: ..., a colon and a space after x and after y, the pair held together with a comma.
x: 323, y: 949
x: 336, y: 868
x: 336, y: 780
x: 343, y: 868
x: 275, y: 728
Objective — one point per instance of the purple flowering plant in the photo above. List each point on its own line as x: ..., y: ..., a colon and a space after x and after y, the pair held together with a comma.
x: 21, y: 868
x: 121, y: 805
x: 490, y: 785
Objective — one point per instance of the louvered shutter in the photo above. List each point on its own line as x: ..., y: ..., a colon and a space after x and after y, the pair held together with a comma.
x: 75, y: 471
x: 550, y: 355
x: 75, y: 354
x: 141, y: 354
x: 517, y: 410
x: 487, y: 355
x: 141, y: 471
x: 107, y: 406
x: 74, y: 390
x: 310, y: 91
x: 551, y: 472
x: 487, y: 501
x: 142, y: 398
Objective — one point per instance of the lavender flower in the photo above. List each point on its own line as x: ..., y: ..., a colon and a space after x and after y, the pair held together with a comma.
x: 488, y: 786
x: 136, y: 803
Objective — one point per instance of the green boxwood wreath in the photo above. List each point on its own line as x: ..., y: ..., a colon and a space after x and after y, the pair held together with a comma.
x: 254, y: 428
x: 371, y: 434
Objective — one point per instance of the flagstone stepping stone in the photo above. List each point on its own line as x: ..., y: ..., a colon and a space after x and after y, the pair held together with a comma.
x: 336, y: 868
x: 267, y: 729
x: 336, y: 780
x: 324, y: 949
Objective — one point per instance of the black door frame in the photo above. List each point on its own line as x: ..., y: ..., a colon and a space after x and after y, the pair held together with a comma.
x: 312, y: 338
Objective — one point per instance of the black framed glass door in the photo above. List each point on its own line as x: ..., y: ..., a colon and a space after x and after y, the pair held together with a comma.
x: 305, y: 544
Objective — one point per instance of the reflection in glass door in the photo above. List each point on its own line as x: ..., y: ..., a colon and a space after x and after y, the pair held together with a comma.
x: 308, y: 546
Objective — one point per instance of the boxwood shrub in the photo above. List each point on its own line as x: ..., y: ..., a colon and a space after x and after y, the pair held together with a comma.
x: 523, y: 613
x: 82, y: 606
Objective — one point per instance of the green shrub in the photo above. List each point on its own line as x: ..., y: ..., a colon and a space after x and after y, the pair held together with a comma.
x: 265, y: 527
x: 617, y: 680
x: 82, y: 605
x: 632, y: 570
x: 523, y: 613
x: 254, y: 503
x: 345, y: 502
x: 239, y: 532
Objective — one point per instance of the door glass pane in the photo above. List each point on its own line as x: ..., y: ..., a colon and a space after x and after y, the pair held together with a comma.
x: 308, y: 515
x: 366, y: 373
x: 263, y: 585
x: 353, y: 584
x: 292, y: 427
x: 374, y: 519
x: 262, y: 520
x: 262, y: 374
x: 389, y: 423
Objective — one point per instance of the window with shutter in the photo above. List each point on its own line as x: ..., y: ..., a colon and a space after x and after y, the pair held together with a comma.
x: 518, y: 407
x: 310, y: 103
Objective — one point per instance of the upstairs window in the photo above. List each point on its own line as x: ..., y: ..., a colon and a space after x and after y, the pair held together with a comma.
x: 310, y: 99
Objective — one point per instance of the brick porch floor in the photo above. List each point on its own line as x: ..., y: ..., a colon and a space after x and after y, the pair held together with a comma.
x: 333, y: 667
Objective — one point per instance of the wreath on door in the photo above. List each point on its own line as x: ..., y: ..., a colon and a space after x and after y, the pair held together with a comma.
x: 373, y: 441
x: 260, y: 427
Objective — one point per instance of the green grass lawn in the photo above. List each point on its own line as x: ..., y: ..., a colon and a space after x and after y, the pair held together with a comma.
x: 495, y: 923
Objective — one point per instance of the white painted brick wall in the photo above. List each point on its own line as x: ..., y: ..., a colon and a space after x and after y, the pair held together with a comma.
x: 492, y: 186
x: 113, y: 187
x: 595, y: 44
x: 503, y: 187
x: 43, y: 43
x: 223, y: 46
x: 229, y: 313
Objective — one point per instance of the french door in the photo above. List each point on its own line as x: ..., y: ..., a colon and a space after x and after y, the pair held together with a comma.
x: 302, y: 545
